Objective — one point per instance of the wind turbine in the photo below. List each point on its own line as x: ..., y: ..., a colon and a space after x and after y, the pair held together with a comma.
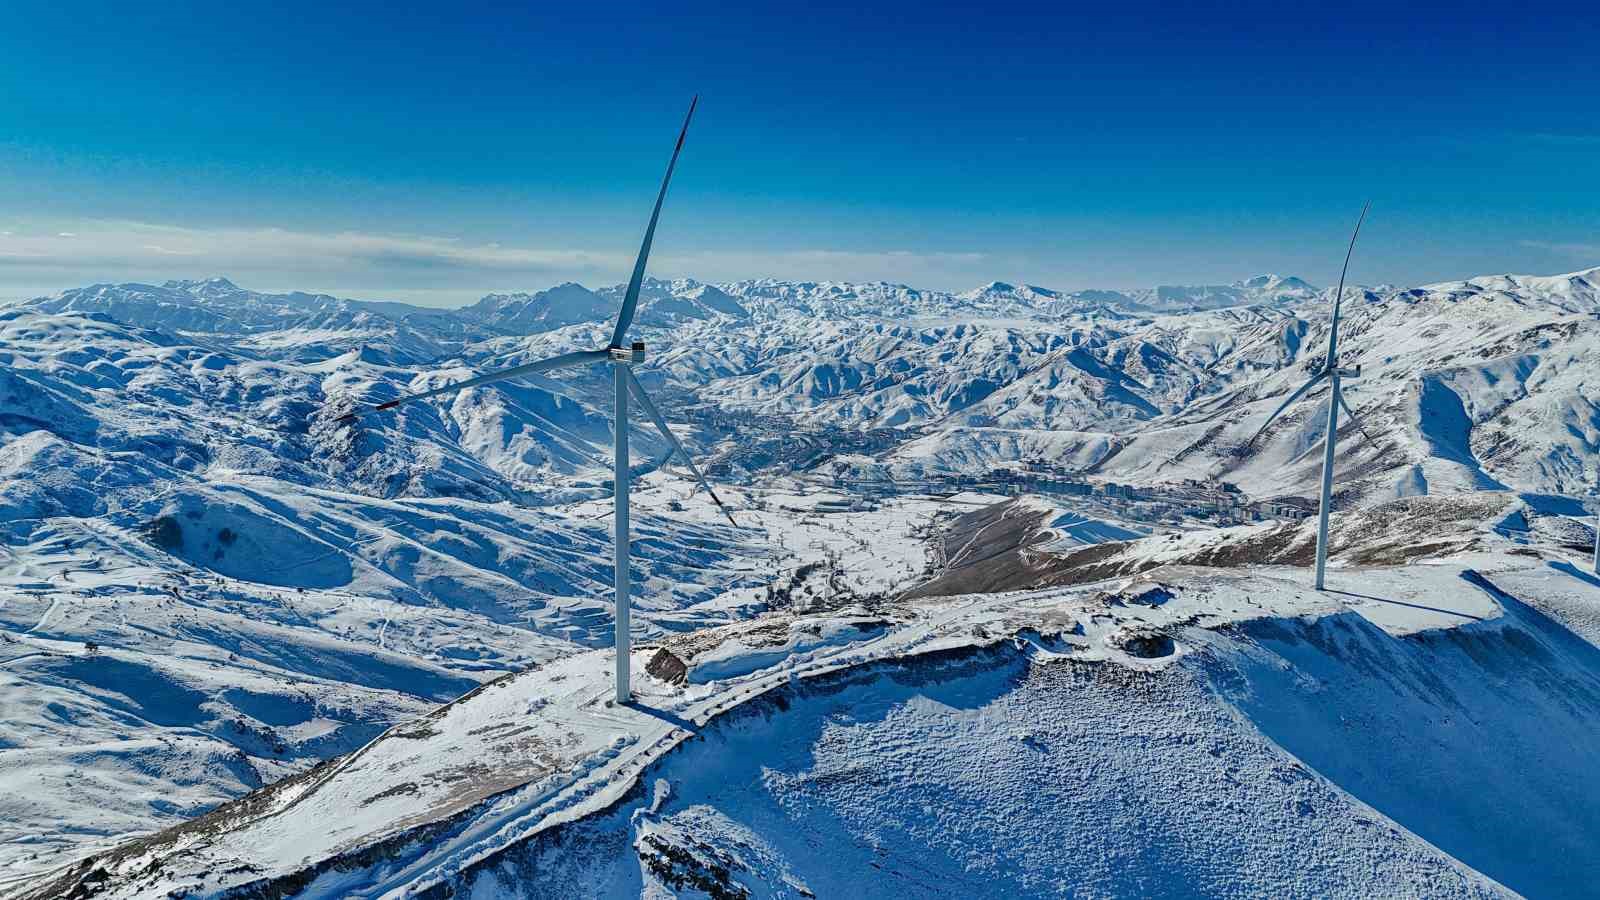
x: 1333, y: 374
x: 1595, y: 563
x: 622, y: 360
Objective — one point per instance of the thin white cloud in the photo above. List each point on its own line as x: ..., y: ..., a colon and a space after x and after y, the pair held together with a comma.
x: 1574, y: 249
x: 157, y: 248
x: 136, y: 243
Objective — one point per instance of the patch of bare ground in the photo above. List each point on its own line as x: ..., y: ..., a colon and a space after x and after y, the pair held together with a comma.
x: 1392, y: 534
x: 985, y: 550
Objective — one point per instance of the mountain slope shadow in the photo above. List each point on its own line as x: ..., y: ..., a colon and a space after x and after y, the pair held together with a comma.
x: 978, y: 774
x: 1448, y: 732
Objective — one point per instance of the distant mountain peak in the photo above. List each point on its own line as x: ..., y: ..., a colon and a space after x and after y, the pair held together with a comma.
x: 205, y: 286
x: 1028, y: 294
x: 1274, y: 282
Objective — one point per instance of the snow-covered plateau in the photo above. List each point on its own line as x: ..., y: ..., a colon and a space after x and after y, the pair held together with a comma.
x: 1013, y: 604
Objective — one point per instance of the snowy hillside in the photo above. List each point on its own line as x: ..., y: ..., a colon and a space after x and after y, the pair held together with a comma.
x: 213, y: 584
x: 1193, y: 731
x: 206, y: 587
x: 1466, y: 384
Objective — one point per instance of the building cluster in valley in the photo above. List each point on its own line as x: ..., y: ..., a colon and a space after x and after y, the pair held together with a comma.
x: 1217, y: 501
x: 847, y: 459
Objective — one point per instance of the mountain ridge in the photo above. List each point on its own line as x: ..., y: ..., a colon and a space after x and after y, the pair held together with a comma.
x: 189, y: 516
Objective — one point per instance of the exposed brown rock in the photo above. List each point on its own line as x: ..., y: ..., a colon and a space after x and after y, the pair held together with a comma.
x: 667, y: 667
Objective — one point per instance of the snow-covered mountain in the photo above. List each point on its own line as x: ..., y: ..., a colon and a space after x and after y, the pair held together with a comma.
x: 660, y: 303
x: 1262, y: 289
x: 1575, y: 292
x: 1481, y: 381
x: 308, y: 326
x: 206, y: 567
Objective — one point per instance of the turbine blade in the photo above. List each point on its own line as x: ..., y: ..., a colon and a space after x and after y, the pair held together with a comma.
x: 630, y: 300
x: 1285, y: 405
x: 544, y: 365
x: 1345, y: 404
x: 1338, y: 297
x: 655, y: 415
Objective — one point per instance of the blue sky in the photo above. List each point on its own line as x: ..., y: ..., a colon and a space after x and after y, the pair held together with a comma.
x: 439, y: 154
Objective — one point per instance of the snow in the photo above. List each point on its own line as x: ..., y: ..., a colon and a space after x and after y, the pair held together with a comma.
x: 210, y: 585
x: 528, y: 753
x: 986, y: 777
x: 325, y: 618
x: 733, y: 657
x: 1453, y: 731
x: 1070, y: 528
x: 995, y: 375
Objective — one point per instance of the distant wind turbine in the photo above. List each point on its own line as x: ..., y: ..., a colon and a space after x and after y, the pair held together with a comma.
x: 1333, y: 374
x: 622, y: 359
x: 1596, y: 560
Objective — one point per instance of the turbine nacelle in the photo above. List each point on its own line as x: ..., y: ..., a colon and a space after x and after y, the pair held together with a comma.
x: 627, y: 355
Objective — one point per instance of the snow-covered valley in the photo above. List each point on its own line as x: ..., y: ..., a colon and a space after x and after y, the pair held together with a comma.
x: 881, y: 680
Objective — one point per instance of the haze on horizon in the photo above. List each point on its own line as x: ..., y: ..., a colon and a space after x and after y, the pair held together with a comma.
x: 435, y: 157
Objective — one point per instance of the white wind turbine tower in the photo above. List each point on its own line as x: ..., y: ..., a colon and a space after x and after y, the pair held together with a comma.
x: 1333, y: 374
x: 1595, y: 563
x: 622, y: 359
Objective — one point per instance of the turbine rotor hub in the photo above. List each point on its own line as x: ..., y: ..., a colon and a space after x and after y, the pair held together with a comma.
x: 627, y: 356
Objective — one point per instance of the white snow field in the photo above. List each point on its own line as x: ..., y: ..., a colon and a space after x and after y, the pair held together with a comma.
x: 1192, y: 732
x: 219, y: 601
